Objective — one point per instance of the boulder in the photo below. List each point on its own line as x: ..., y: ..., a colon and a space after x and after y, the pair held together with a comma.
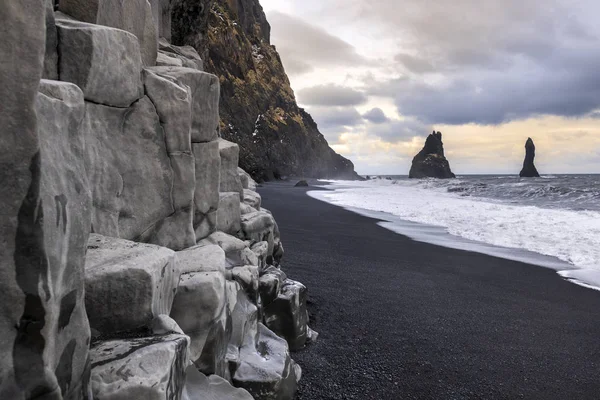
x: 167, y: 60
x: 51, y: 57
x: 301, y: 183
x: 270, y: 283
x: 127, y: 284
x: 287, y: 315
x: 258, y: 227
x: 431, y: 162
x: 529, y: 170
x: 273, y: 380
x: 230, y: 179
x: 236, y: 251
x: 199, y: 309
x: 246, y: 179
x: 252, y: 198
x: 152, y: 368
x: 206, y: 195
x: 188, y: 56
x: 129, y: 170
x: 261, y: 249
x: 134, y: 16
x: 205, y: 91
x: 104, y: 62
x: 228, y: 214
x: 247, y: 277
x: 244, y: 324
x: 208, y: 258
x: 246, y: 209
x: 163, y: 325
x: 199, y: 386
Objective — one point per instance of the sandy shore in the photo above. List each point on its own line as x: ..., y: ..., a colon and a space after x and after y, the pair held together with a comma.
x: 400, y: 319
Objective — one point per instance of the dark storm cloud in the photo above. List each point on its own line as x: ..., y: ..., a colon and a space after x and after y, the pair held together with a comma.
x: 396, y: 131
x: 375, y: 116
x: 484, y: 61
x: 304, y: 46
x: 334, y: 120
x: 331, y: 95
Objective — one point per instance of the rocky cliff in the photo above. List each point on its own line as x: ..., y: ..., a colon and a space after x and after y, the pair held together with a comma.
x: 136, y: 259
x: 529, y: 170
x: 431, y: 162
x: 258, y: 108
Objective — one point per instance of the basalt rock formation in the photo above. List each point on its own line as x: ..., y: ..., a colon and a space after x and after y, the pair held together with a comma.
x: 431, y: 162
x: 258, y: 109
x: 136, y: 259
x: 529, y: 170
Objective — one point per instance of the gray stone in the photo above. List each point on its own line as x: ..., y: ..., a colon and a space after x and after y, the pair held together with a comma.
x: 206, y: 196
x: 247, y: 277
x: 236, y: 251
x: 270, y: 284
x: 134, y: 16
x: 44, y: 287
x: 129, y: 170
x: 163, y: 324
x: 205, y: 90
x: 173, y: 103
x: 311, y: 336
x: 164, y: 59
x: 104, y: 62
x: 259, y: 226
x: 261, y: 249
x: 161, y: 9
x: 199, y: 309
x: 51, y: 57
x: 273, y: 380
x: 186, y: 54
x: 287, y: 315
x: 244, y: 323
x: 228, y: 214
x: 246, y: 209
x: 150, y: 368
x: 209, y: 258
x: 230, y: 179
x: 127, y: 284
x: 246, y: 179
x: 252, y: 198
x: 22, y: 50
x: 199, y: 386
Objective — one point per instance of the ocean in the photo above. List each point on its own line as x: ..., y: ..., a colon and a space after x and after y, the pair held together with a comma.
x: 552, y: 221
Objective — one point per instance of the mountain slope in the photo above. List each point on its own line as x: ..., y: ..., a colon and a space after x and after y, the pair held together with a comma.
x: 258, y: 107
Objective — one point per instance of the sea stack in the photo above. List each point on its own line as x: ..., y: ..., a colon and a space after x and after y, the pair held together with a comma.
x: 529, y: 170
x: 431, y: 162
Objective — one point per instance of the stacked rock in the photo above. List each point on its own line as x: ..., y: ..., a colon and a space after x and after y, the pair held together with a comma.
x: 137, y: 261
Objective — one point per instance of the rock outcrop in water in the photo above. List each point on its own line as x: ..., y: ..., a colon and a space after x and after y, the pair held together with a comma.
x: 258, y: 108
x: 529, y: 170
x: 431, y: 162
x: 136, y: 259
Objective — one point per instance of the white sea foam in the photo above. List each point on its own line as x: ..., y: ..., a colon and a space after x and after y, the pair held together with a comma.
x: 569, y: 235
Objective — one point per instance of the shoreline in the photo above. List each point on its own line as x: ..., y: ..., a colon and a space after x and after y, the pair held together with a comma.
x: 405, y: 319
x: 440, y: 236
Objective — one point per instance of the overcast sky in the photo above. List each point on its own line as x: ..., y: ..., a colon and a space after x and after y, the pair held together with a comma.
x: 379, y: 75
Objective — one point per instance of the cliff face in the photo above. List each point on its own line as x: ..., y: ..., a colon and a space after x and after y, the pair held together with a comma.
x: 529, y: 170
x: 258, y: 109
x: 136, y: 258
x: 431, y: 162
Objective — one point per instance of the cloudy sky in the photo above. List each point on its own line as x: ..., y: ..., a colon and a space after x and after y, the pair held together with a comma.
x: 379, y: 75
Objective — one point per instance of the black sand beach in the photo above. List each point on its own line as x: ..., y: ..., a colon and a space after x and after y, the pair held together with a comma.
x: 399, y: 319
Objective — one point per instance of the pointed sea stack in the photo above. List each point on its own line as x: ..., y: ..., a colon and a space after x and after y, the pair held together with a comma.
x: 529, y: 170
x: 431, y: 162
